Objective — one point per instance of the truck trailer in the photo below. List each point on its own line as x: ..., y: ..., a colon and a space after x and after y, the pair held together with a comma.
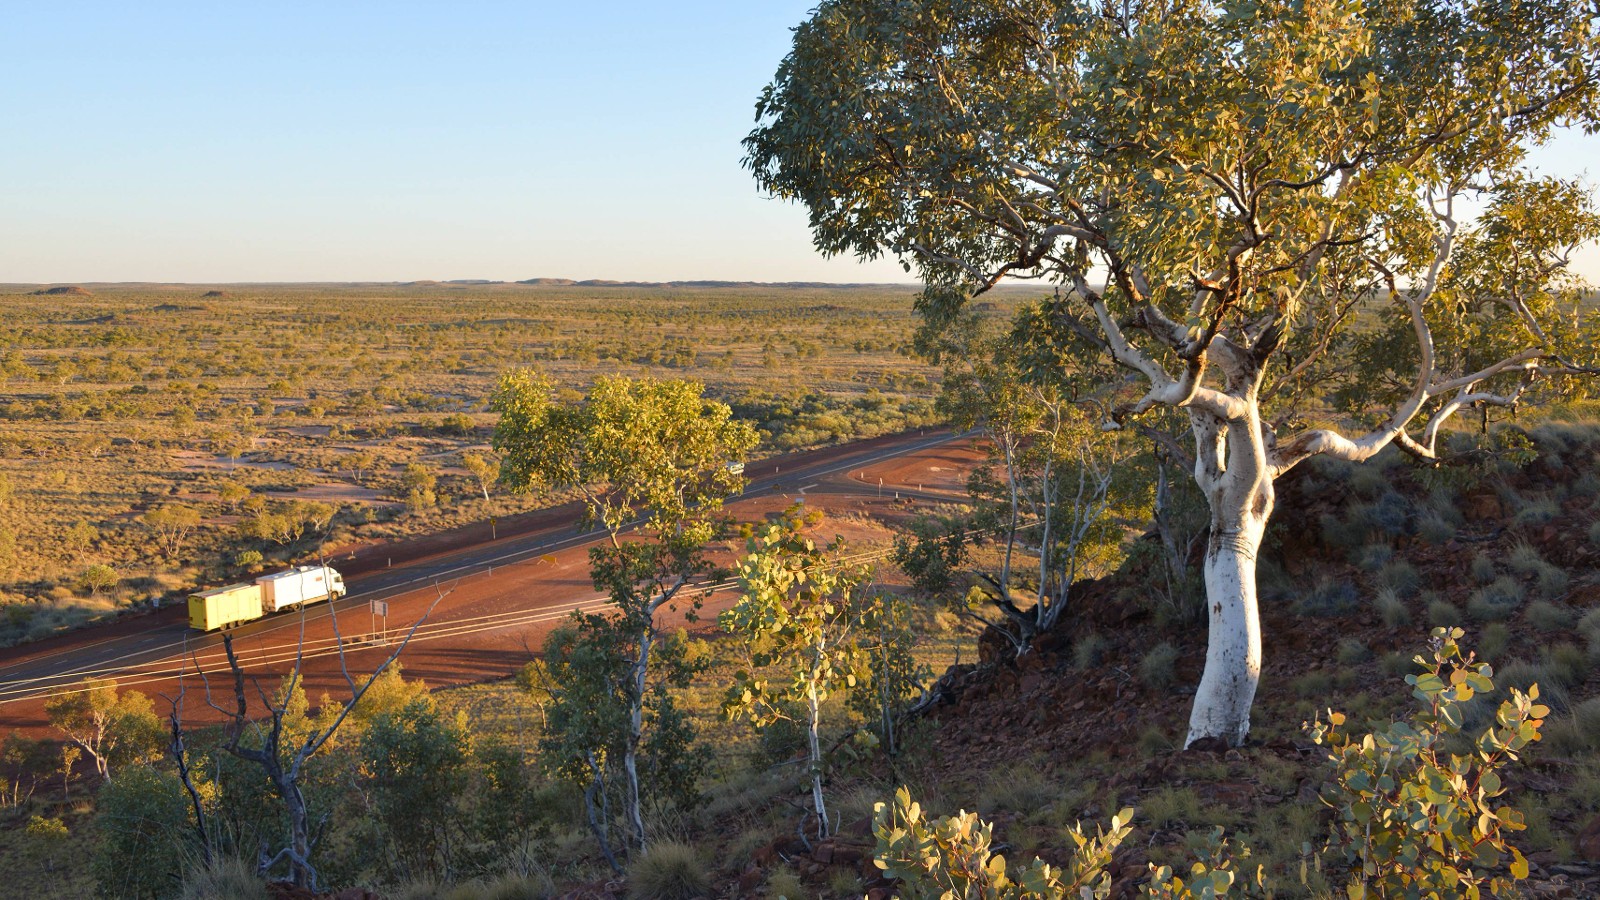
x: 235, y: 604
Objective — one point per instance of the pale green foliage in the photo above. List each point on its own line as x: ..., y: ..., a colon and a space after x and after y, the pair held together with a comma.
x: 1212, y: 876
x: 97, y: 578
x: 952, y: 857
x: 1251, y: 205
x: 142, y: 818
x: 114, y: 729
x: 669, y: 870
x: 1413, y: 818
x: 657, y: 447
x: 661, y: 453
x: 804, y: 617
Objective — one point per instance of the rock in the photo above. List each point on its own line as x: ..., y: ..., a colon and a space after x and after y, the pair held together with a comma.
x: 1308, y: 792
x: 823, y: 854
x: 1208, y: 745
x: 749, y: 880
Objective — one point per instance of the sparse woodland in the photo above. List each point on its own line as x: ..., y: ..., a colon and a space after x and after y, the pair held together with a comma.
x: 1281, y: 577
x: 155, y: 440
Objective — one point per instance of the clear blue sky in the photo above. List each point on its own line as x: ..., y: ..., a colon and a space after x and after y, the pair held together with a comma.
x: 285, y: 141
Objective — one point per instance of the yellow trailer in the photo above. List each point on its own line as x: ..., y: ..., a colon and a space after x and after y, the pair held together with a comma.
x: 225, y: 607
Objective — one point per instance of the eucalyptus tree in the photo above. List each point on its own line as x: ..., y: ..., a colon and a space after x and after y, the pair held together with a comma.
x: 654, y: 457
x: 1049, y: 479
x: 1232, y: 192
x: 802, y: 615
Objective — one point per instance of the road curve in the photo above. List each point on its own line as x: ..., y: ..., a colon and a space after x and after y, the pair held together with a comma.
x: 544, y: 548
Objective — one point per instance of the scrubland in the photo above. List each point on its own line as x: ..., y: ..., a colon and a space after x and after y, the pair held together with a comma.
x: 154, y: 439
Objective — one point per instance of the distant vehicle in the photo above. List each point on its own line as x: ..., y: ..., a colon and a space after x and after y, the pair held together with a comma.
x: 235, y: 604
x: 736, y: 468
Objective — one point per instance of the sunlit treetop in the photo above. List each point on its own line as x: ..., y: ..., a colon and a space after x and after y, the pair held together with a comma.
x: 1209, y: 179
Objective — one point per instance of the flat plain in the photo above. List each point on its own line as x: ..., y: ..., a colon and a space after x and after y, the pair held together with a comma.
x: 156, y: 438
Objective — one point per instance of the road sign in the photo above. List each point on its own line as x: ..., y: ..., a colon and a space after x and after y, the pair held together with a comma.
x: 380, y: 607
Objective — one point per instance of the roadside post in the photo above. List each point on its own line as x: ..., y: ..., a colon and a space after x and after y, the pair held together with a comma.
x: 380, y: 608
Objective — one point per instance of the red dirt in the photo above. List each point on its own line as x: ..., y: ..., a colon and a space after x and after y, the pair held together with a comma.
x: 483, y: 629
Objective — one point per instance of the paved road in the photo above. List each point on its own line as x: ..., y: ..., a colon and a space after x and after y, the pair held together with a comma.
x: 156, y: 646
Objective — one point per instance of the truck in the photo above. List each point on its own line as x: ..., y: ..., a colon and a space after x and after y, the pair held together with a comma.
x: 235, y: 604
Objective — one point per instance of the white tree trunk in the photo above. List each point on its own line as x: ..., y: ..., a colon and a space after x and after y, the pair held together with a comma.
x: 1231, y: 469
x: 1233, y: 649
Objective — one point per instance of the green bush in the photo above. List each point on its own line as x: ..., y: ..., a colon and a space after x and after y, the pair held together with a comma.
x: 1401, y: 577
x: 1414, y: 820
x: 1551, y: 581
x: 1352, y: 650
x: 1157, y: 668
x: 1435, y: 529
x: 1442, y: 613
x: 669, y: 870
x: 226, y: 878
x: 142, y: 817
x: 1568, y: 664
x: 1495, y: 639
x: 1546, y: 616
x: 1088, y: 651
x: 1482, y: 569
x: 1496, y: 601
x: 1331, y: 597
x: 1589, y: 627
x: 1391, y: 609
x: 953, y: 856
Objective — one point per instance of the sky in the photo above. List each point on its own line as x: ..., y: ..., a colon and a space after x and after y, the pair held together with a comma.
x: 340, y: 141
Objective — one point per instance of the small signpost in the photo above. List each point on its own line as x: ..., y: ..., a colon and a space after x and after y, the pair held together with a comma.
x: 380, y: 608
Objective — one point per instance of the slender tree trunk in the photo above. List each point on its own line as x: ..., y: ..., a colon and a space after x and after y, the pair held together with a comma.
x: 630, y: 756
x: 1231, y: 468
x: 813, y: 718
x: 300, y: 871
x: 599, y: 818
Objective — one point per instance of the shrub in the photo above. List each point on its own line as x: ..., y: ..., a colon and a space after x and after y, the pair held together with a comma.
x: 226, y: 878
x: 1352, y: 650
x: 1551, y: 581
x: 1157, y: 667
x: 1494, y: 641
x: 1524, y: 558
x: 1376, y: 556
x: 1312, y: 685
x: 1411, y: 819
x: 1435, y: 529
x: 1089, y: 651
x: 669, y: 870
x: 1542, y: 511
x: 1401, y: 577
x: 1568, y: 664
x: 1496, y: 601
x: 1589, y: 627
x: 1546, y: 616
x: 1391, y: 608
x: 952, y: 856
x: 1442, y: 613
x: 784, y: 883
x: 142, y: 817
x: 1522, y: 675
x: 1330, y: 598
x: 1482, y: 569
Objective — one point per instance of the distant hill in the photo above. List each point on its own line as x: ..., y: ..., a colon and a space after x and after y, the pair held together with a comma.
x: 70, y: 289
x: 605, y: 282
